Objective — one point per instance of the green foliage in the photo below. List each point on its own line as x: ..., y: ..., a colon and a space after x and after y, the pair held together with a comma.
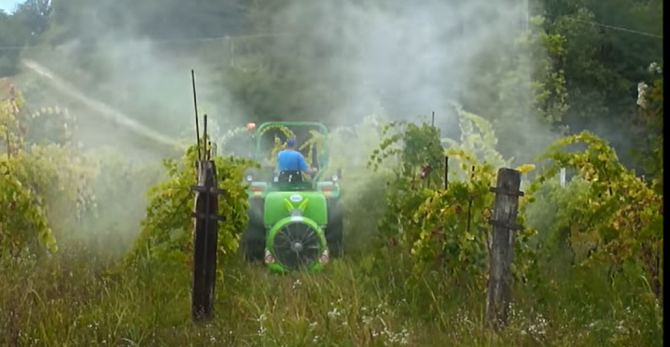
x: 606, y: 220
x: 607, y: 47
x: 50, y: 125
x: 58, y: 191
x: 11, y: 35
x: 443, y: 228
x: 46, y: 187
x: 478, y: 138
x: 23, y: 223
x: 65, y: 302
x: 565, y: 69
x: 553, y: 228
x: 651, y: 114
x: 277, y: 141
x: 617, y: 218
x: 61, y: 301
x: 415, y: 148
x: 451, y: 226
x: 524, y: 96
x: 362, y: 191
x: 314, y: 143
x: 166, y: 231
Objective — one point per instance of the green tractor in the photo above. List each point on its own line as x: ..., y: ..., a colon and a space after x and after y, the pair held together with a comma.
x: 295, y: 221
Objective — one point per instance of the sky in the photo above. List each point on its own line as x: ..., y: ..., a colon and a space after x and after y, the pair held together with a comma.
x: 9, y: 5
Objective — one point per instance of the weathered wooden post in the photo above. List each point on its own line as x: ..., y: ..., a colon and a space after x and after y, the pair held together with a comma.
x: 446, y: 171
x: 205, y: 226
x: 205, y: 237
x: 505, y: 211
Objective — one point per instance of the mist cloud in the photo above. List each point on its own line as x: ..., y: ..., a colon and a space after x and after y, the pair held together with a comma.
x: 414, y: 57
x: 411, y: 58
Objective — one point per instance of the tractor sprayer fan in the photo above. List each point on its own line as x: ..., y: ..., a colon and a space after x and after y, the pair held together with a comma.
x: 297, y: 244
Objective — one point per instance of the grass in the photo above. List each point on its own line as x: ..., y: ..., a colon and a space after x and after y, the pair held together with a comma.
x: 368, y: 298
x: 69, y: 300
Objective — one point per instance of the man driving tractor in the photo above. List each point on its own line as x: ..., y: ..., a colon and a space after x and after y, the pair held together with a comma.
x: 290, y: 159
x: 295, y: 222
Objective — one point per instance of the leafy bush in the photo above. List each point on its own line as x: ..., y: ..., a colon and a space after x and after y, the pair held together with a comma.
x: 44, y: 187
x: 166, y: 230
x: 57, y: 190
x: 443, y: 228
x: 616, y: 219
x: 586, y: 262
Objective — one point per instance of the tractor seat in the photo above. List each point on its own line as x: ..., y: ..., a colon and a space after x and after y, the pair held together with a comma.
x: 290, y: 176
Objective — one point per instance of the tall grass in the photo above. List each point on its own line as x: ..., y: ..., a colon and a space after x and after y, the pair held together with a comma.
x: 370, y: 297
x: 362, y: 300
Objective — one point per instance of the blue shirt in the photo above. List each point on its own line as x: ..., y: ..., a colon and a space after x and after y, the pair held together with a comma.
x: 290, y: 159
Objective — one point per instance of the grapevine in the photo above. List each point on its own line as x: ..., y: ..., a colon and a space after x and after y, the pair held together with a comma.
x: 620, y: 219
x: 166, y: 230
x: 277, y: 143
x: 45, y: 187
x: 447, y: 228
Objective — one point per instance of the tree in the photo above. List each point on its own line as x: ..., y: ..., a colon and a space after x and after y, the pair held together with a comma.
x: 609, y: 44
x: 650, y: 116
x: 12, y: 36
x: 524, y: 96
x: 34, y: 15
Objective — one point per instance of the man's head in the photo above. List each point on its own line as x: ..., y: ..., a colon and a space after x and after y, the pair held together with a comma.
x: 291, y: 143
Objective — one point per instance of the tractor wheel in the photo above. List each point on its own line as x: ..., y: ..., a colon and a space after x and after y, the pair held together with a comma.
x: 252, y: 243
x: 334, y: 229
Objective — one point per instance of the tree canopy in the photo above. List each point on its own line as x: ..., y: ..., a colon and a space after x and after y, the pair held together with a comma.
x: 538, y: 67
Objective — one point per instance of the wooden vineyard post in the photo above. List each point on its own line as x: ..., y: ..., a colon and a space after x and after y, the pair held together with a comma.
x: 205, y: 225
x: 446, y: 172
x: 204, y: 240
x: 505, y: 211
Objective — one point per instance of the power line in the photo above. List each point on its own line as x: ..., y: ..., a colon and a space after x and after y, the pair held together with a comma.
x: 612, y: 27
x: 165, y: 41
x: 253, y: 36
